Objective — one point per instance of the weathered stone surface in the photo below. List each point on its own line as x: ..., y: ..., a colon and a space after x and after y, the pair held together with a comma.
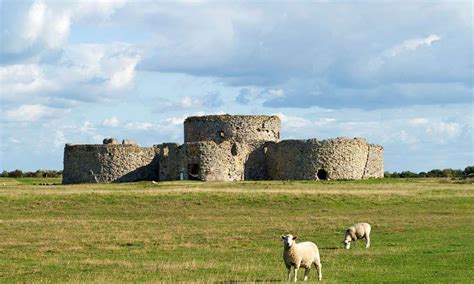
x: 172, y: 161
x: 340, y: 158
x: 238, y: 128
x: 128, y: 142
x: 109, y: 163
x: 246, y: 135
x: 374, y: 167
x: 112, y: 141
x: 211, y: 161
x: 225, y: 148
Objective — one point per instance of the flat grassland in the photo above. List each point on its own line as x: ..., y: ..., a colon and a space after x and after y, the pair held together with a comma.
x: 422, y: 230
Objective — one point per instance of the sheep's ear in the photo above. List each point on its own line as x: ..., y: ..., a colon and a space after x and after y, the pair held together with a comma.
x: 282, y: 237
x: 295, y: 237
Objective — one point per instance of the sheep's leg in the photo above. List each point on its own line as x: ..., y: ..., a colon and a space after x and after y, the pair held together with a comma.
x: 320, y: 274
x: 306, y: 270
x: 289, y: 272
x: 318, y: 268
x: 367, y: 241
x: 295, y: 276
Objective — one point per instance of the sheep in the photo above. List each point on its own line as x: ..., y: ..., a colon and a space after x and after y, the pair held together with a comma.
x: 303, y: 254
x: 355, y: 232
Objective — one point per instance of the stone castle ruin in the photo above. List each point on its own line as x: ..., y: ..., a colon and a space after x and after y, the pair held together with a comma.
x: 225, y: 148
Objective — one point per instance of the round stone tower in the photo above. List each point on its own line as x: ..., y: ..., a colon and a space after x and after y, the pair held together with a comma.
x: 236, y: 128
x: 340, y: 158
x: 229, y: 147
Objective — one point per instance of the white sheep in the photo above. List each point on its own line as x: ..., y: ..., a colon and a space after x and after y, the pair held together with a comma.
x: 303, y: 254
x: 357, y: 231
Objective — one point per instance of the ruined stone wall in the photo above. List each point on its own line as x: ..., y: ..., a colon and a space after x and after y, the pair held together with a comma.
x: 238, y: 128
x: 172, y: 160
x: 211, y: 161
x: 292, y: 159
x: 247, y: 133
x: 374, y: 167
x: 225, y: 148
x: 340, y: 158
x: 109, y: 163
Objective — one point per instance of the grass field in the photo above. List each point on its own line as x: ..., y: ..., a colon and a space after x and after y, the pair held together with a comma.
x: 422, y: 230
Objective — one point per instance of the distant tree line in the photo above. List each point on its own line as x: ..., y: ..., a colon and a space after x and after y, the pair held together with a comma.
x: 468, y: 172
x: 36, y: 174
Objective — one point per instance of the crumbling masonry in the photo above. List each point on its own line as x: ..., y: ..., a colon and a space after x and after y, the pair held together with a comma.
x: 225, y: 148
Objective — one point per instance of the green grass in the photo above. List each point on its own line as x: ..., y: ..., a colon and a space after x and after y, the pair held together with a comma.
x: 229, y: 232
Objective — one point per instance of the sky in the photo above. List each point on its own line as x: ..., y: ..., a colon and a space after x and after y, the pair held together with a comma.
x: 399, y: 73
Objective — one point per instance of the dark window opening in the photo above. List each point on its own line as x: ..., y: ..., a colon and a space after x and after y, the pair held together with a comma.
x: 193, y: 171
x: 322, y: 174
x: 233, y: 150
x: 220, y: 136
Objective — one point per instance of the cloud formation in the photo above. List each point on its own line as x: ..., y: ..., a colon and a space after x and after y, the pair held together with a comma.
x: 411, y: 45
x: 32, y: 113
x: 398, y: 73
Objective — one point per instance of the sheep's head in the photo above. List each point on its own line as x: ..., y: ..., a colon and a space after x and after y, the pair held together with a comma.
x: 347, y: 243
x: 288, y: 240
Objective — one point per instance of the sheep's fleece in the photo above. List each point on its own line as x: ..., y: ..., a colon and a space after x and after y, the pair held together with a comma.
x: 357, y: 231
x: 303, y: 254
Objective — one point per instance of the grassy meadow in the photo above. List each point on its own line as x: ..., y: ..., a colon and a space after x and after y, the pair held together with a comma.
x: 422, y: 230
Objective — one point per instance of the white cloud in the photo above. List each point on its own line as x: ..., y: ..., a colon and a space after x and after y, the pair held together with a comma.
x: 83, y: 72
x: 292, y: 122
x: 139, y: 126
x: 411, y: 45
x: 87, y: 126
x: 207, y: 101
x: 31, y: 113
x: 100, y: 67
x: 276, y: 93
x: 99, y: 10
x: 325, y: 121
x: 40, y: 25
x: 59, y: 139
x: 176, y: 120
x: 111, y: 122
x: 405, y: 137
x: 18, y: 79
x: 14, y: 140
x: 189, y: 102
x: 445, y: 130
x: 418, y: 121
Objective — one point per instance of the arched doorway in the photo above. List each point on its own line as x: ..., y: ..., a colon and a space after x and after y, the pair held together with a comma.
x: 322, y: 174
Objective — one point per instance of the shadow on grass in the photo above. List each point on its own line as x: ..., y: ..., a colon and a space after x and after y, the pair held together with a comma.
x: 254, y: 281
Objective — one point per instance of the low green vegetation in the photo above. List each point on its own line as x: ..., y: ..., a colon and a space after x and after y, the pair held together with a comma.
x: 467, y: 173
x: 230, y: 232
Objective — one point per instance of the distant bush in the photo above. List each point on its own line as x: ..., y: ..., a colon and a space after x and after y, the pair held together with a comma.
x: 468, y: 172
x: 36, y: 174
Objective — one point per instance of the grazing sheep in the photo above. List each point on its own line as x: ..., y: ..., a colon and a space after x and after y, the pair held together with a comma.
x: 303, y: 254
x: 357, y: 231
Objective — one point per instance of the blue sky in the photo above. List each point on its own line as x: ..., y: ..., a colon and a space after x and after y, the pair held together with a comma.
x: 399, y: 73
